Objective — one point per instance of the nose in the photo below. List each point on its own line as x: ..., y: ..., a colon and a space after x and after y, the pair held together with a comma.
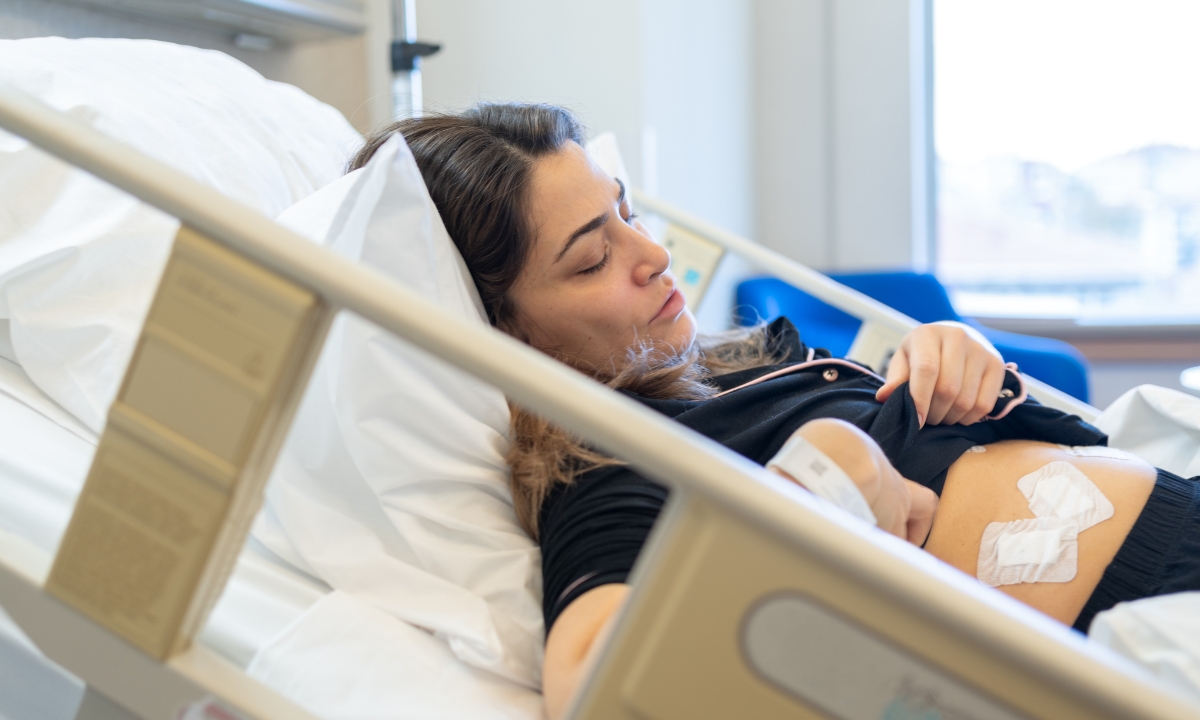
x: 653, y: 260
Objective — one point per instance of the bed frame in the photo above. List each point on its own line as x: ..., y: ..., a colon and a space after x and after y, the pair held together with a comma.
x: 752, y: 599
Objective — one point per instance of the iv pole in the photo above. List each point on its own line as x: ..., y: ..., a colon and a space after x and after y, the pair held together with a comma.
x: 407, y: 52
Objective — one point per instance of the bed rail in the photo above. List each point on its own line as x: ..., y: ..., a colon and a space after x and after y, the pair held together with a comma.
x: 987, y: 642
x: 882, y: 326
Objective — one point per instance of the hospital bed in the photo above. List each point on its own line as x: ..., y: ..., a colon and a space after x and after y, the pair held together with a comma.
x: 825, y: 621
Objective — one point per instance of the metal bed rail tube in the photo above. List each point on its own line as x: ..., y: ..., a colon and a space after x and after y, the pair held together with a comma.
x: 810, y: 281
x: 663, y: 450
x: 823, y: 288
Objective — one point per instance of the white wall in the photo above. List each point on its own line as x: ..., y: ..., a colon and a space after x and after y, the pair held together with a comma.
x: 836, y: 123
x: 672, y: 78
x: 792, y: 150
x: 698, y: 104
x: 582, y: 55
x: 669, y: 77
x: 789, y: 121
x: 334, y: 71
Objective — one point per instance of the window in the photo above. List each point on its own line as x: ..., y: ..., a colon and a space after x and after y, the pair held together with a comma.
x: 1067, y: 135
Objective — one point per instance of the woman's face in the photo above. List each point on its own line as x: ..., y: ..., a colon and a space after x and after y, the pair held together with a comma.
x: 596, y: 283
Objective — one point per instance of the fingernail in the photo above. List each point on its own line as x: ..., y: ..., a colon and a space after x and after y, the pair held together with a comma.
x: 920, y: 420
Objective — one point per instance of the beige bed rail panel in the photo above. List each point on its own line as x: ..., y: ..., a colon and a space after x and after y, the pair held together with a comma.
x: 142, y: 685
x: 913, y: 583
x: 882, y: 326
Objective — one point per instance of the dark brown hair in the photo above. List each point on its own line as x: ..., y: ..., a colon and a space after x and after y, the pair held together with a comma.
x: 477, y: 167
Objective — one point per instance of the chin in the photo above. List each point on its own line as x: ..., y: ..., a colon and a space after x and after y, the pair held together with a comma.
x: 683, y: 333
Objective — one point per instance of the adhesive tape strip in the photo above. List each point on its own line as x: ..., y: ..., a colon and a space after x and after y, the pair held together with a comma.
x: 1061, y: 490
x: 821, y: 476
x: 1044, y: 549
x: 1100, y: 451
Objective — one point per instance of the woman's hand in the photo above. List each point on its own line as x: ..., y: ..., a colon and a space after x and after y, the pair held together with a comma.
x: 901, y: 507
x: 954, y: 373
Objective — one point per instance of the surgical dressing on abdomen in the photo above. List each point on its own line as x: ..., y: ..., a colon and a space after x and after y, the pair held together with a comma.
x: 1046, y: 548
x: 1062, y: 490
x: 1028, y: 551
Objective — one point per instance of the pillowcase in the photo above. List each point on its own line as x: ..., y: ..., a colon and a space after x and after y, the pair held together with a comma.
x: 392, y: 486
x: 605, y: 152
x: 79, y: 259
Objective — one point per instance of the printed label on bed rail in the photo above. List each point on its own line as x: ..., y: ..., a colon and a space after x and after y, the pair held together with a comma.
x: 826, y: 661
x: 209, y: 708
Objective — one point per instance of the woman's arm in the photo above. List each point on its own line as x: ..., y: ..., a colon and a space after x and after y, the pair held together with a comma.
x: 954, y: 373
x: 575, y: 641
x: 901, y: 507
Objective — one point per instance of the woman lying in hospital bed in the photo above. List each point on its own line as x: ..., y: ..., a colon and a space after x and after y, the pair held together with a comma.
x: 1030, y: 500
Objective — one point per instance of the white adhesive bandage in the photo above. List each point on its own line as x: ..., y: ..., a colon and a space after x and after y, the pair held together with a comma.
x: 1096, y: 451
x: 1061, y: 490
x: 821, y: 476
x: 1044, y: 549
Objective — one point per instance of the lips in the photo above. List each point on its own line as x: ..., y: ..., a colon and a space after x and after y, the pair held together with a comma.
x: 672, y: 306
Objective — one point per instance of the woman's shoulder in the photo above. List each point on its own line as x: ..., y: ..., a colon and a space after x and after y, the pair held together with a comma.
x: 785, y: 344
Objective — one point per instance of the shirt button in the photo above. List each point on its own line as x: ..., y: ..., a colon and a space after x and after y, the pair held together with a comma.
x: 830, y: 374
x: 1006, y: 393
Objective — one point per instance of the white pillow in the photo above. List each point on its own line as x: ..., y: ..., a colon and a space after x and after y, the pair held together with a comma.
x: 605, y: 152
x: 392, y: 486
x: 79, y: 260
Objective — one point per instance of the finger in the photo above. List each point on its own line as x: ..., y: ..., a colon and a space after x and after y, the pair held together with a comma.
x: 969, y: 393
x: 897, y: 374
x: 924, y: 363
x: 921, y: 512
x: 949, y: 382
x: 989, y: 390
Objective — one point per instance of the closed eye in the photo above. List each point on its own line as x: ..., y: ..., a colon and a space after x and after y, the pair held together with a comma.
x: 598, y: 266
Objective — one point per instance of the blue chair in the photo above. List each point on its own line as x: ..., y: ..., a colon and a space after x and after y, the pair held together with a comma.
x: 921, y: 297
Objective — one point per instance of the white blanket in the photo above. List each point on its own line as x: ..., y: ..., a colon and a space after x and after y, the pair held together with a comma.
x: 1160, y: 633
x: 348, y: 660
x: 1160, y: 425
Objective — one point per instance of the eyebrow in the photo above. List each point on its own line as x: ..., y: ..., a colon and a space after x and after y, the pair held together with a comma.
x: 594, y: 224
